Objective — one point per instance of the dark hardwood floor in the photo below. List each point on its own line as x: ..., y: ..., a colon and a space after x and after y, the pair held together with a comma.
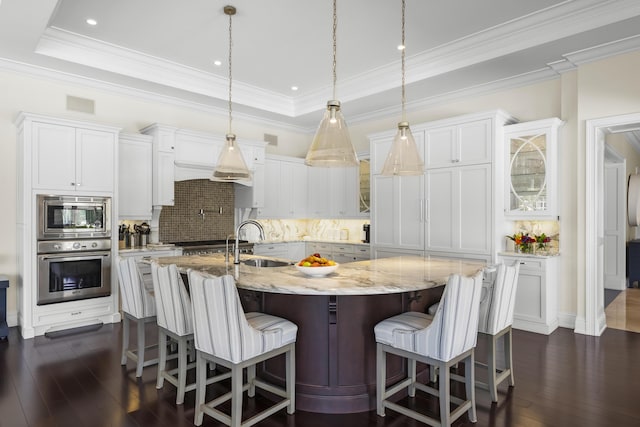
x: 74, y: 381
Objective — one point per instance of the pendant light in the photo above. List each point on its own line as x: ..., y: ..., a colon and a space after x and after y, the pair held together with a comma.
x: 231, y: 166
x: 331, y: 146
x: 403, y: 158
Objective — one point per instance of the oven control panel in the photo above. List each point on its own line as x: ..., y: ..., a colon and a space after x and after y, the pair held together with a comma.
x: 54, y: 246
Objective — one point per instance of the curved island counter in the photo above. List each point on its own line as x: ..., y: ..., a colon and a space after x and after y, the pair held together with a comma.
x: 335, y: 348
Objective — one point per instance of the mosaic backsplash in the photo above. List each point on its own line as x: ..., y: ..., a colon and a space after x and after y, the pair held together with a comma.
x: 203, y: 210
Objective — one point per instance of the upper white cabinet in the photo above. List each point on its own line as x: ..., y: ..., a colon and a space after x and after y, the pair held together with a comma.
x: 68, y: 157
x: 450, y: 209
x: 458, y: 144
x: 135, y: 176
x: 531, y: 169
x: 285, y: 188
x: 163, y: 163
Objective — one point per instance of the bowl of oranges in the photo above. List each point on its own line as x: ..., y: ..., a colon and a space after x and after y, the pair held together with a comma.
x: 316, y: 266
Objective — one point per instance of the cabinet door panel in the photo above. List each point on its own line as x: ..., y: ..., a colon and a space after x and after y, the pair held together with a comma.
x: 474, y: 232
x: 318, y: 192
x: 474, y: 142
x: 54, y: 156
x: 271, y: 190
x: 94, y: 160
x: 440, y: 146
x: 299, y: 188
x: 382, y: 212
x: 441, y: 209
x: 410, y: 212
x: 163, y: 182
x: 135, y: 174
x: 529, y: 297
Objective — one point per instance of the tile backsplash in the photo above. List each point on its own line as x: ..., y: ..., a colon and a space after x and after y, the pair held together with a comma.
x: 203, y: 210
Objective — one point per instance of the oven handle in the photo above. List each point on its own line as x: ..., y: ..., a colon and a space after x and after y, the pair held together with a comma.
x: 75, y: 254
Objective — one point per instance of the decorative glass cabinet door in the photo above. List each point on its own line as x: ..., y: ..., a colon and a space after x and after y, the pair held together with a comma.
x: 531, y: 181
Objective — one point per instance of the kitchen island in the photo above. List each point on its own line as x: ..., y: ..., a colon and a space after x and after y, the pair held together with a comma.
x: 335, y: 348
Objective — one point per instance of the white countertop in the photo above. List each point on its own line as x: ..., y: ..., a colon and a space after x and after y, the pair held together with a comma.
x: 381, y: 276
x: 531, y: 255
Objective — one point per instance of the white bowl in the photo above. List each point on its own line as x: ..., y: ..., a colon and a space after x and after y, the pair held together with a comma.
x: 317, y: 271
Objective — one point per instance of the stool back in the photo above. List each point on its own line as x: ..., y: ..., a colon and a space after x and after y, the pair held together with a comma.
x: 173, y: 304
x: 454, y: 328
x: 221, y: 327
x: 498, y: 303
x: 136, y: 299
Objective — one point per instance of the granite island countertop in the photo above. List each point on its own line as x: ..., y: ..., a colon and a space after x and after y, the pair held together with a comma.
x: 379, y: 276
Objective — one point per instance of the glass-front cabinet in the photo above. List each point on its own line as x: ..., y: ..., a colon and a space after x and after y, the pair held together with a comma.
x: 531, y: 182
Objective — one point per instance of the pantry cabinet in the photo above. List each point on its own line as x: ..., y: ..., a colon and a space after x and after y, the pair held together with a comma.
x: 451, y: 208
x: 135, y: 176
x: 531, y: 172
x: 73, y: 159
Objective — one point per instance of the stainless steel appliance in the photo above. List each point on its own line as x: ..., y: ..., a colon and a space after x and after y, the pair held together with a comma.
x: 203, y: 247
x: 70, y: 270
x: 73, y: 217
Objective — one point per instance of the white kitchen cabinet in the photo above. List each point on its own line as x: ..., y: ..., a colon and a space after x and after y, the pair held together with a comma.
x: 135, y: 174
x: 458, y: 209
x: 536, y: 307
x: 531, y: 169
x: 339, y: 252
x: 71, y: 158
x: 344, y: 192
x: 163, y: 163
x: 296, y: 251
x: 274, y: 250
x: 52, y: 153
x: 318, y: 192
x: 458, y: 144
x: 455, y: 207
x: 381, y: 252
x: 285, y: 192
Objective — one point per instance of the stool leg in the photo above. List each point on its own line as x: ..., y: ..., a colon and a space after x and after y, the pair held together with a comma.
x: 125, y: 339
x: 469, y: 385
x: 201, y: 388
x: 444, y: 389
x: 162, y: 357
x: 290, y: 359
x: 141, y: 344
x: 182, y: 370
x: 381, y: 374
x: 251, y: 377
x: 236, y: 396
x: 491, y: 367
x: 508, y: 355
x: 412, y: 374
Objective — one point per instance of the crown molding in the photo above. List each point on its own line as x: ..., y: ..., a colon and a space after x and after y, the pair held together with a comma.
x: 73, y: 47
x: 633, y: 137
x: 558, y: 21
x: 21, y: 68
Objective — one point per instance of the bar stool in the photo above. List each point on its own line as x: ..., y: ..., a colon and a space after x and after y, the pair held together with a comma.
x: 441, y: 341
x: 174, y: 317
x: 138, y: 304
x: 496, y: 318
x: 224, y: 334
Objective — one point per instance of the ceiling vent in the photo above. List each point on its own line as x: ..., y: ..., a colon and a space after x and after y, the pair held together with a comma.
x: 271, y: 139
x: 82, y: 105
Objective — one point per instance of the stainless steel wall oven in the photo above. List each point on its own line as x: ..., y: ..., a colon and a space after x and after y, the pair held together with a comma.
x: 71, y: 270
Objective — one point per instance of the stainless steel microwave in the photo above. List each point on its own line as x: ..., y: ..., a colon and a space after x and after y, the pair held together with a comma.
x: 73, y: 217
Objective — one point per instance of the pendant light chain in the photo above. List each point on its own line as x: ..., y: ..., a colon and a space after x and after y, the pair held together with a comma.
x: 230, y: 79
x: 404, y: 48
x: 335, y: 46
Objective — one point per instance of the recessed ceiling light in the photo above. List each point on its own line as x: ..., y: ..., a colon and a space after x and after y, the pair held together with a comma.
x: 294, y: 87
x: 91, y: 21
x: 401, y: 47
x: 217, y: 63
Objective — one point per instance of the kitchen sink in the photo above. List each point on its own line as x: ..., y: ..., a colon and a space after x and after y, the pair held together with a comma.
x: 259, y: 262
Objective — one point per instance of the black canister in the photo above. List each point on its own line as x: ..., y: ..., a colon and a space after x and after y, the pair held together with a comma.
x: 365, y: 232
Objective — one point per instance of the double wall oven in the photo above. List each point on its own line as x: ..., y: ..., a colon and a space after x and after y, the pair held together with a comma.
x: 74, y: 248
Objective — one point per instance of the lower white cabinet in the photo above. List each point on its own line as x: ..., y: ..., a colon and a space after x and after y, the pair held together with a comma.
x: 340, y: 252
x: 536, y: 308
x: 274, y: 250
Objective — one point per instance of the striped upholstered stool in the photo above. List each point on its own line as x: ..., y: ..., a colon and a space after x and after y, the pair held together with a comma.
x: 138, y: 304
x: 440, y: 341
x: 228, y: 337
x: 173, y: 307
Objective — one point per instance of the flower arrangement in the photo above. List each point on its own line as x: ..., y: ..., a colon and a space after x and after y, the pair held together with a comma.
x: 542, y: 240
x: 523, y: 242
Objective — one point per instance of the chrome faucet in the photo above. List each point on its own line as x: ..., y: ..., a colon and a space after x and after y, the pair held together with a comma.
x: 236, y: 249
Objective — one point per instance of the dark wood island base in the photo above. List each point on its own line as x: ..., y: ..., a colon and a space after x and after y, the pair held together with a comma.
x: 335, y: 348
